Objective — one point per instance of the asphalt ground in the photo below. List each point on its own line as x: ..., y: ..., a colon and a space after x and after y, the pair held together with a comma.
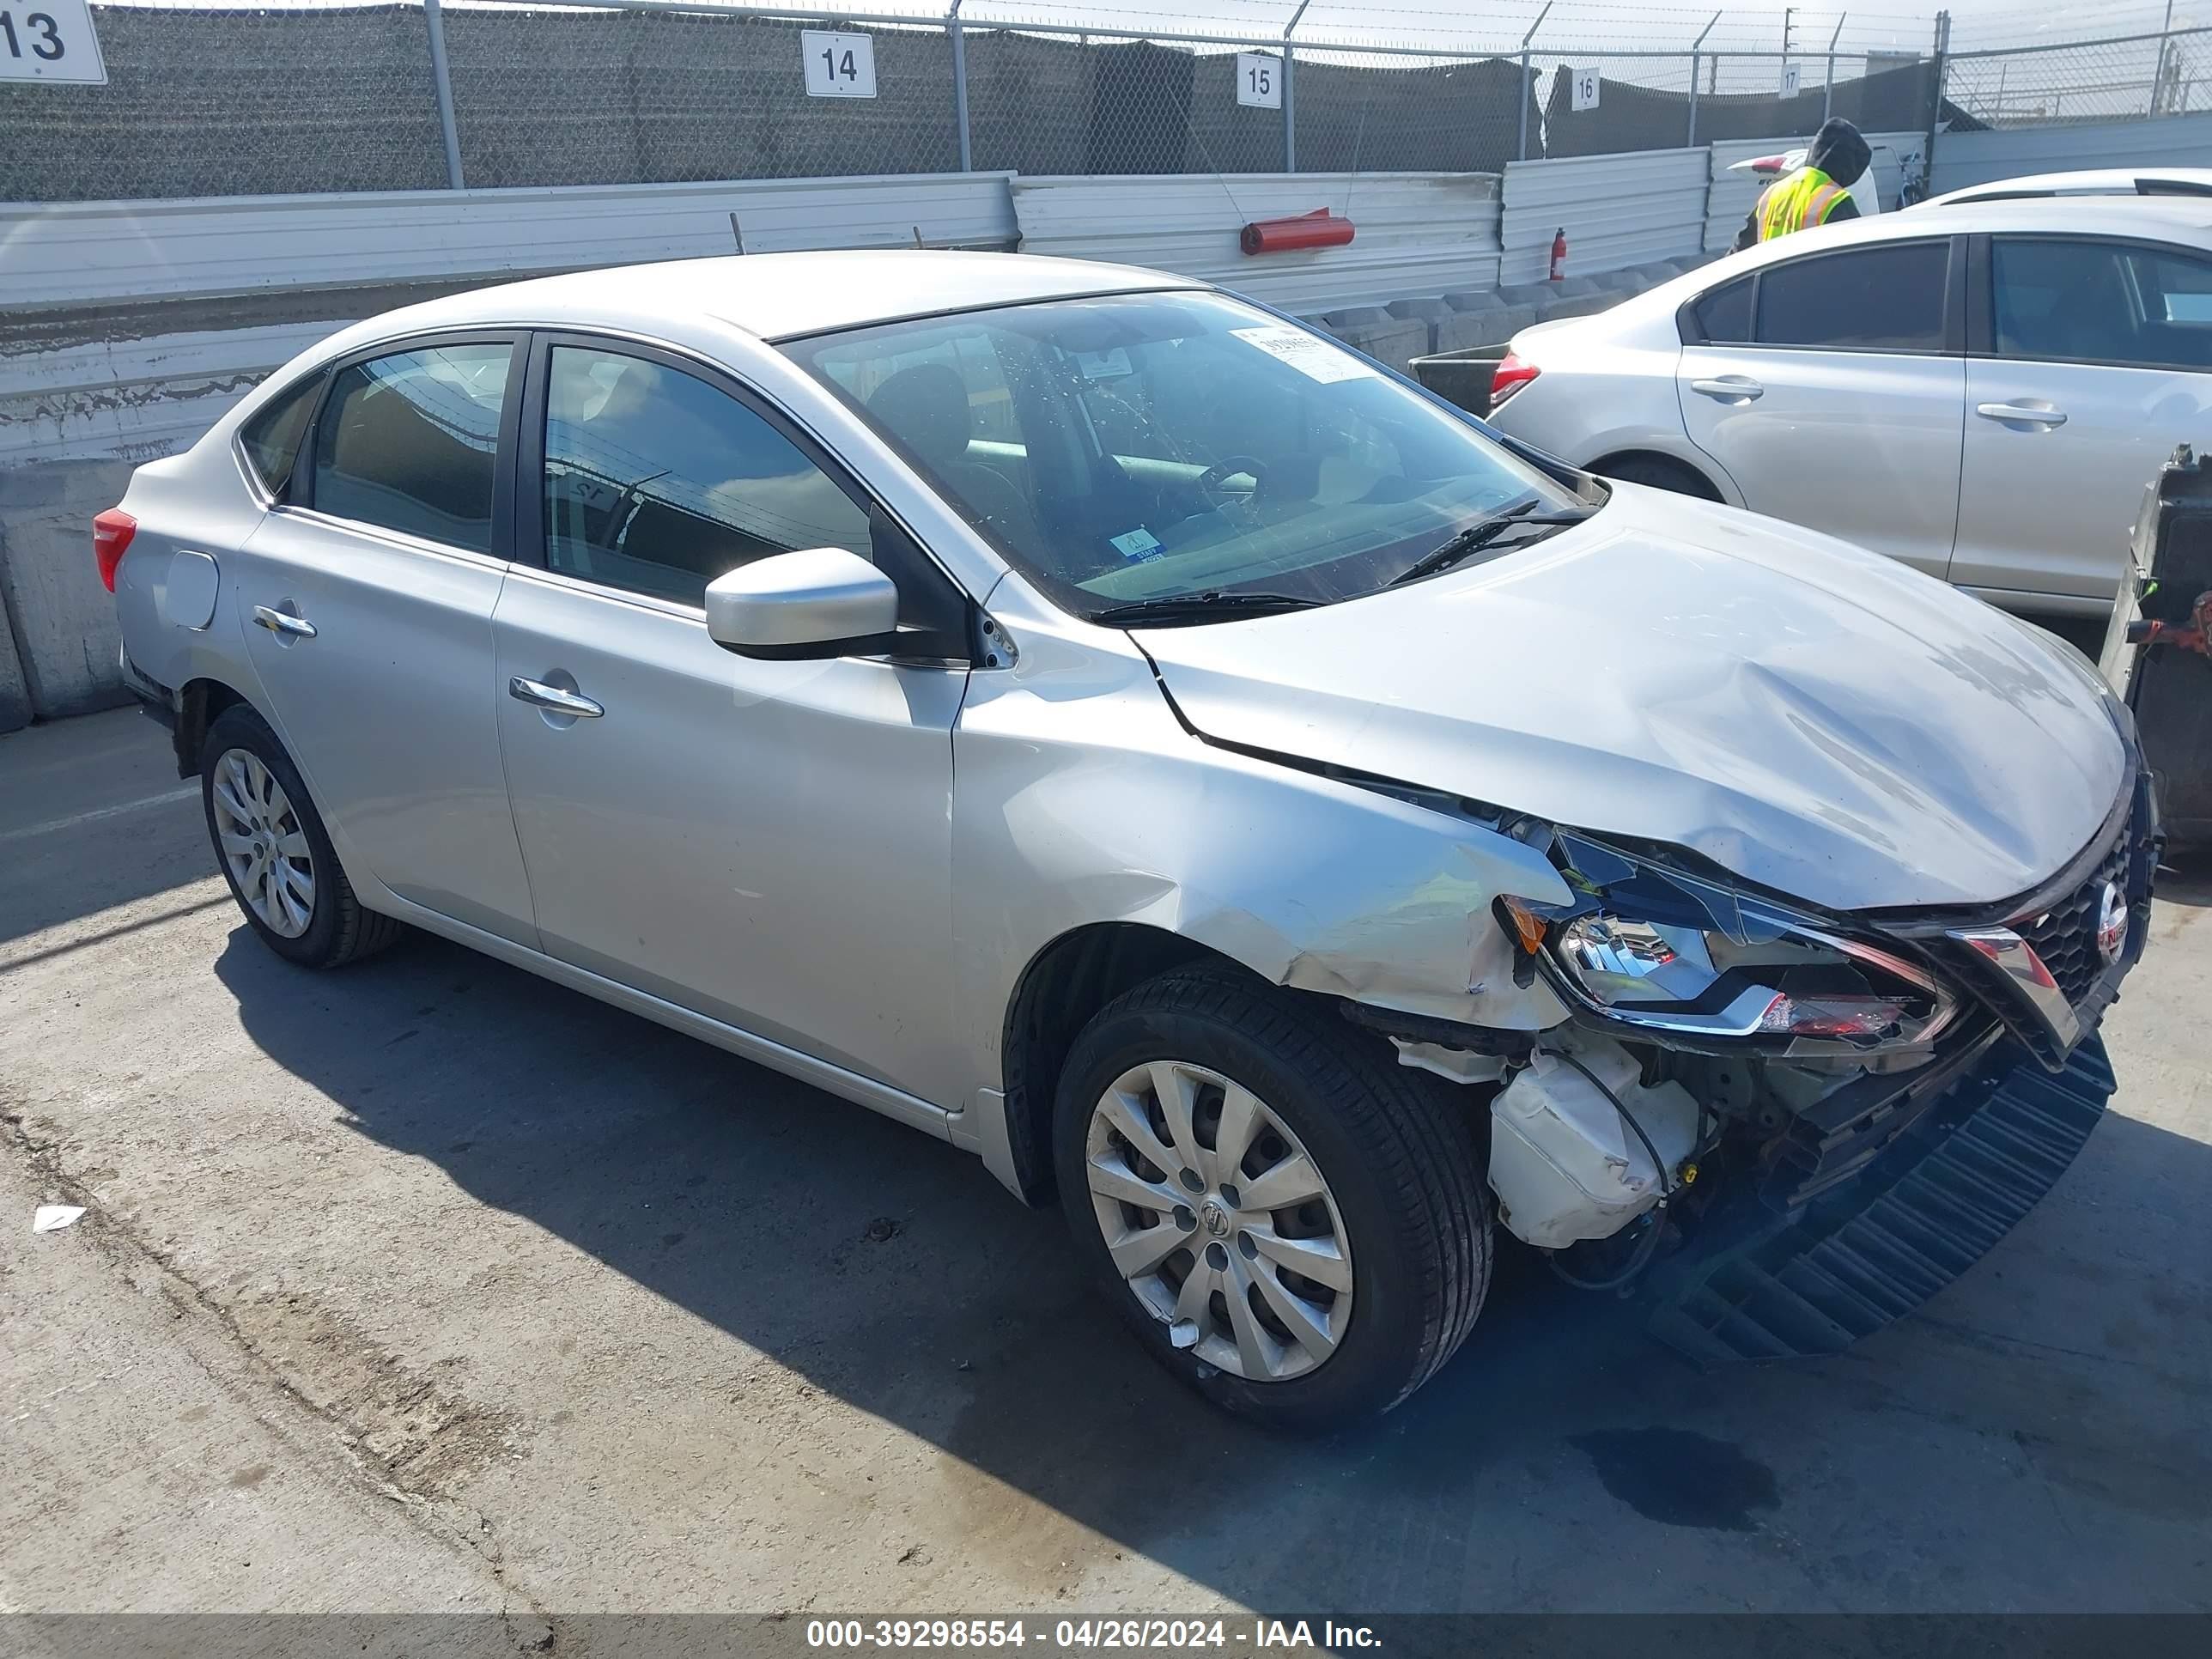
x: 428, y: 1285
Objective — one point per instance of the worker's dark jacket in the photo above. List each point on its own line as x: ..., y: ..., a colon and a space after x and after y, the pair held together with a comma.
x: 1840, y: 156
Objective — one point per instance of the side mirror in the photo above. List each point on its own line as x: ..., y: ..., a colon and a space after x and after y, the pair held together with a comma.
x: 819, y: 602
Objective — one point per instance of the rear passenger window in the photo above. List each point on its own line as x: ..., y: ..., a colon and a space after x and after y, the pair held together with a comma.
x: 1724, y: 317
x: 658, y: 482
x: 1888, y: 298
x: 409, y: 442
x: 272, y: 437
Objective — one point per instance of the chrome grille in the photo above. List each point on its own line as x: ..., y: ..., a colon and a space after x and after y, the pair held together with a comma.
x: 2065, y: 936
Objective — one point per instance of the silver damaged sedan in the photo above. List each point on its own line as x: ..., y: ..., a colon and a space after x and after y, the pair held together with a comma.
x: 1104, y: 725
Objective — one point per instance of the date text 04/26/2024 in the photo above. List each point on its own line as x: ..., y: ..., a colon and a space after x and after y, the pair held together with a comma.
x: 1070, y: 1635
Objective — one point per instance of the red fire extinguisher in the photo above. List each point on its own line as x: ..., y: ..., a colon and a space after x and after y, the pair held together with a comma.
x: 1559, y: 254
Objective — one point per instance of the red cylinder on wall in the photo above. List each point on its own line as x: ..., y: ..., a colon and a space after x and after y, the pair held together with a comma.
x: 1320, y: 228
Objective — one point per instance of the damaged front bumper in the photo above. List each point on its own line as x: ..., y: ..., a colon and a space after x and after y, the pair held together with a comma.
x: 1887, y: 1189
x: 1973, y: 1157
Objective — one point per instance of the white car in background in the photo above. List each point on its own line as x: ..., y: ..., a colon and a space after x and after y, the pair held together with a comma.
x: 2095, y: 181
x: 1982, y: 391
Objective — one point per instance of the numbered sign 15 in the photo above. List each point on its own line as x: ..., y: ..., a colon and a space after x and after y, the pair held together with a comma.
x: 1585, y: 94
x: 838, y: 65
x: 50, y: 40
x: 1259, y: 81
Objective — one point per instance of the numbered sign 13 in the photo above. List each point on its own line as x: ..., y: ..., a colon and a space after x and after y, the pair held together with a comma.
x: 50, y: 40
x: 1585, y: 89
x: 1259, y: 81
x: 838, y: 65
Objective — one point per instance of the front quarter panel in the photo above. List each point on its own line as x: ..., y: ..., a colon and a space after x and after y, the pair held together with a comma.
x: 1079, y: 798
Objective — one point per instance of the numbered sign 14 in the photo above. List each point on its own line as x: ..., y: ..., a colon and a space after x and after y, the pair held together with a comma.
x: 838, y: 65
x: 1259, y: 81
x: 50, y: 40
x: 1585, y: 89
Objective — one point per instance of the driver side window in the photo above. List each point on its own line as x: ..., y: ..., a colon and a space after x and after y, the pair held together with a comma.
x: 657, y: 482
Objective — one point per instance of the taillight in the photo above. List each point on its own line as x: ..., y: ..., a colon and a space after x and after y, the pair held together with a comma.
x: 1513, y: 373
x: 112, y: 531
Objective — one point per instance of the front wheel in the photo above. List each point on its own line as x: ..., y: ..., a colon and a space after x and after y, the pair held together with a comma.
x: 1293, y: 1224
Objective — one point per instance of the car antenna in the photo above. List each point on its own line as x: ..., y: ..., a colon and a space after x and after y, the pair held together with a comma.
x: 738, y: 231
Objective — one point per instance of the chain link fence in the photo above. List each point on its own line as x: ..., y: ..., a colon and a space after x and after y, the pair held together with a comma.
x: 2075, y: 82
x: 216, y: 98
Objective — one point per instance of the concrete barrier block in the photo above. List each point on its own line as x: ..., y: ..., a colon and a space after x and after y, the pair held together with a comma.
x: 1393, y: 340
x: 1481, y: 298
x: 14, y: 694
x: 1465, y: 330
x: 1430, y: 314
x: 62, y: 619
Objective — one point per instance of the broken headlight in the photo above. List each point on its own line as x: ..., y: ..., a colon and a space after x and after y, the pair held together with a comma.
x: 1652, y: 947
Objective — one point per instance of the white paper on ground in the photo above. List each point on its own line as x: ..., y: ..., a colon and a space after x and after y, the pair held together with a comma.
x: 52, y: 1217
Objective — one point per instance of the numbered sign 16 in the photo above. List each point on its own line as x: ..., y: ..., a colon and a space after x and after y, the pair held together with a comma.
x: 1793, y: 77
x: 50, y: 40
x: 1259, y: 81
x: 1585, y: 94
x: 838, y: 65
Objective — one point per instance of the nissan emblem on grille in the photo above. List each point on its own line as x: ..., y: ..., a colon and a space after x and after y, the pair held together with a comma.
x: 2111, y: 923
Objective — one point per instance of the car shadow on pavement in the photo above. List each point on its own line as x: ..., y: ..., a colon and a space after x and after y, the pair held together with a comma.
x: 1957, y: 1460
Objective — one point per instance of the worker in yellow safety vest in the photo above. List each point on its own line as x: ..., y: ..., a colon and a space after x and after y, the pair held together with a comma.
x: 1817, y: 193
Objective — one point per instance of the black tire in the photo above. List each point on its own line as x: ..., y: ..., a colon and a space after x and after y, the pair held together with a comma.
x: 1659, y: 472
x: 339, y: 929
x: 1396, y: 1147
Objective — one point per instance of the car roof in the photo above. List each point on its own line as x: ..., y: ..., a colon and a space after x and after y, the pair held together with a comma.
x: 2150, y: 181
x: 2181, y: 218
x: 780, y: 296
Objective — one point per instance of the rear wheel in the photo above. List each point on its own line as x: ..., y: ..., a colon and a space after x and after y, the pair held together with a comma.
x: 272, y: 849
x: 1293, y: 1224
x: 1659, y: 472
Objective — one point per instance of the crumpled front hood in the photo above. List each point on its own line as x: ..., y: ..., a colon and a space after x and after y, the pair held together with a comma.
x: 1815, y: 718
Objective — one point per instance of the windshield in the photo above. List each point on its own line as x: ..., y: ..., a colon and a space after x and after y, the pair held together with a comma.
x: 1161, y: 446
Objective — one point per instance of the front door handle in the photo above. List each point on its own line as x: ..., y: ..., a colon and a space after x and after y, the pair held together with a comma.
x: 2027, y: 412
x: 284, y: 622
x: 1731, y: 389
x: 553, y: 697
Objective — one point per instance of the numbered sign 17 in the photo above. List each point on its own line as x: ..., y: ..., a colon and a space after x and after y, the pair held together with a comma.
x: 50, y: 40
x: 1585, y: 89
x: 1259, y: 81
x: 1793, y: 77
x: 838, y: 65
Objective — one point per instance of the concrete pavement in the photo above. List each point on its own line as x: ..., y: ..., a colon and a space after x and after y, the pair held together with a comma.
x: 517, y: 1302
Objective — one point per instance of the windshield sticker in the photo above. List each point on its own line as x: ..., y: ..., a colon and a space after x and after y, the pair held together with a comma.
x: 1104, y: 365
x: 1139, y: 543
x: 1315, y: 359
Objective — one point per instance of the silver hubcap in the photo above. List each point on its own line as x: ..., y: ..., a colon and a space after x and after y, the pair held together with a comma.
x: 263, y: 844
x: 1220, y: 1221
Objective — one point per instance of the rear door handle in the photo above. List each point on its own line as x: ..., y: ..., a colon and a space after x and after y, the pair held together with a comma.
x: 553, y: 697
x: 2027, y: 412
x: 284, y: 622
x: 1731, y: 389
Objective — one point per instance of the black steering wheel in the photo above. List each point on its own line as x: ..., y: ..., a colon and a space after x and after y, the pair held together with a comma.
x: 1210, y: 482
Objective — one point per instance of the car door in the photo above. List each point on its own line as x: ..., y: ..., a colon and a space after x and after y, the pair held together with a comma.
x: 366, y: 597
x: 1831, y: 387
x: 2090, y: 359
x: 767, y: 843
